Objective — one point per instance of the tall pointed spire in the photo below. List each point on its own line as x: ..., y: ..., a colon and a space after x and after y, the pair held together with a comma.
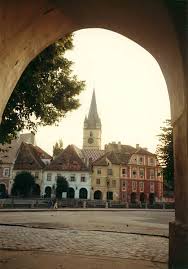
x: 93, y: 120
x: 92, y: 127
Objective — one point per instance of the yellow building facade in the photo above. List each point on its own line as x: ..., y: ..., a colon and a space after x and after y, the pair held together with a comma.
x: 105, y: 179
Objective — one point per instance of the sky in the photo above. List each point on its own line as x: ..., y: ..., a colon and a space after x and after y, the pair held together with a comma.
x: 131, y: 93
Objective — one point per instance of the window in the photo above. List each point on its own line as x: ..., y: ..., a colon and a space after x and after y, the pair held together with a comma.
x: 83, y: 178
x: 141, y: 170
x: 113, y: 183
x: 49, y: 177
x: 134, y: 186
x: 159, y: 173
x: 36, y: 175
x: 109, y: 195
x: 124, y: 185
x: 152, y: 187
x: 98, y: 171
x: 98, y: 181
x: 141, y: 160
x: 6, y: 172
x: 141, y: 186
x: 152, y: 174
x: 151, y: 161
x: 109, y: 172
x: 72, y: 178
x: 124, y: 172
x: 134, y: 173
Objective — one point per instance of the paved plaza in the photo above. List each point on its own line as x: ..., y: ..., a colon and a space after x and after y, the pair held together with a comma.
x: 123, y: 234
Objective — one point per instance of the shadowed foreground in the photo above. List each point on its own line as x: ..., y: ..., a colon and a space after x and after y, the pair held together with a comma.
x: 35, y: 260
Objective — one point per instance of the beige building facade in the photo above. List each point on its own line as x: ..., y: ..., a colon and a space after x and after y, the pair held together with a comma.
x: 106, y: 179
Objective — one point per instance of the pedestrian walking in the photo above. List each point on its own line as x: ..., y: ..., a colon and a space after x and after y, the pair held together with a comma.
x: 55, y: 204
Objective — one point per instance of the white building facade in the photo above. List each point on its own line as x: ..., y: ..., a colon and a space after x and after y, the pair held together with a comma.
x: 79, y: 183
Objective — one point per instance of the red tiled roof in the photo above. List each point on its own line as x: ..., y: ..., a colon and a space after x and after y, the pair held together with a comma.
x: 113, y: 157
x: 92, y: 154
x: 43, y: 154
x: 144, y: 152
x: 28, y: 158
x: 67, y: 160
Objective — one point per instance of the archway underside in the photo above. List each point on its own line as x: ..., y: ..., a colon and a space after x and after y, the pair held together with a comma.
x: 29, y: 27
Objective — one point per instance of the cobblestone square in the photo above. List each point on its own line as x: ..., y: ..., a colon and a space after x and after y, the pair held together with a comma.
x: 119, y: 234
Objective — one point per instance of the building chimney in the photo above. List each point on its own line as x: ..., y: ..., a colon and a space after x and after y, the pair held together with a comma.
x: 119, y: 146
x: 28, y: 138
x: 137, y: 146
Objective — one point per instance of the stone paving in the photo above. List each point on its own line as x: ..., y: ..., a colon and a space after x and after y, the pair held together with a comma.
x: 79, y: 242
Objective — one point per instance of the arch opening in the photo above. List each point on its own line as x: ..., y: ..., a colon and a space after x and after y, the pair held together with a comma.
x: 71, y: 193
x: 83, y: 193
x: 48, y: 192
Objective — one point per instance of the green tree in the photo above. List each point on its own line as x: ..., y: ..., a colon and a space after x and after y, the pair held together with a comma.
x: 165, y: 154
x: 57, y: 148
x: 46, y: 91
x: 23, y: 184
x: 62, y: 186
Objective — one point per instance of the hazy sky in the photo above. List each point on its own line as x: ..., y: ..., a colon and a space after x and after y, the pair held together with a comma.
x: 131, y: 92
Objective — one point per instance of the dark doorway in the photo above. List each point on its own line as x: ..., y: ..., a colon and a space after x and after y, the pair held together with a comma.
x: 70, y: 193
x: 2, y: 191
x: 109, y: 195
x: 48, y: 192
x: 142, y: 198
x: 98, y: 195
x: 83, y: 193
x: 36, y: 190
x: 133, y: 197
x: 151, y: 198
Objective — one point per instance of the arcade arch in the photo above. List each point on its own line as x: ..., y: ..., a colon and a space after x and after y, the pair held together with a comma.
x: 32, y: 26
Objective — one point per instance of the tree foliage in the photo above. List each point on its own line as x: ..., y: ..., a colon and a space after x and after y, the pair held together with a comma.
x: 46, y: 91
x: 57, y: 148
x: 62, y: 186
x: 165, y: 154
x: 23, y: 184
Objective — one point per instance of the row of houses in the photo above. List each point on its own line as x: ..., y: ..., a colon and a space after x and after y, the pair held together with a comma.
x: 119, y: 172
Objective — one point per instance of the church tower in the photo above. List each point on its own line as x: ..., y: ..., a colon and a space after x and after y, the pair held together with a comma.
x: 92, y: 127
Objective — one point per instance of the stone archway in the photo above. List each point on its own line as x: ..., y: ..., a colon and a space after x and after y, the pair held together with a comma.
x: 83, y: 193
x: 133, y: 197
x: 151, y: 198
x: 71, y: 193
x: 48, y: 192
x: 36, y: 190
x: 155, y: 25
x: 142, y: 197
x: 98, y: 195
x: 3, y: 190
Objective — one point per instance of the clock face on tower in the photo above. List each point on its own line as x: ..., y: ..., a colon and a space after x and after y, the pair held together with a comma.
x: 90, y: 140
